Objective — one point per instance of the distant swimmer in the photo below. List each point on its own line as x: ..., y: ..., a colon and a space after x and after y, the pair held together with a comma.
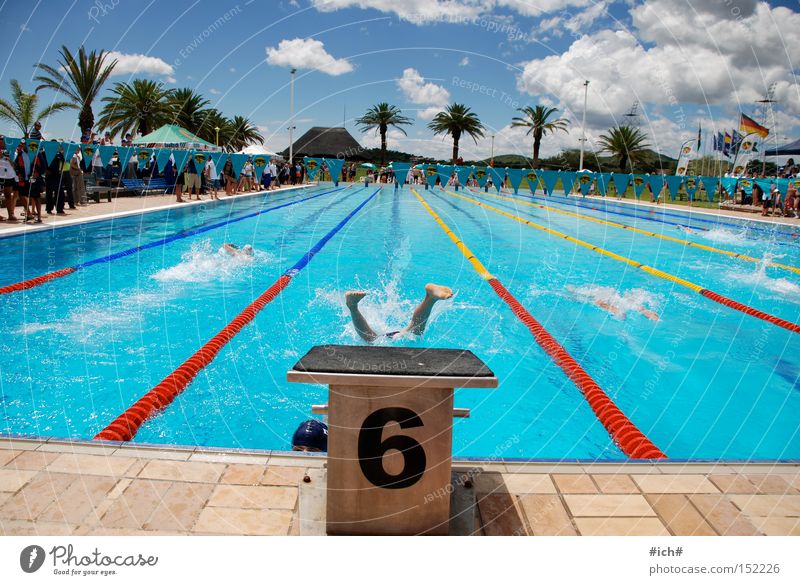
x: 686, y: 229
x: 620, y: 313
x: 234, y: 250
x: 433, y: 293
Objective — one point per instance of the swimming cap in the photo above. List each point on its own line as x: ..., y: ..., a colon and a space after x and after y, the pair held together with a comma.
x: 311, y: 435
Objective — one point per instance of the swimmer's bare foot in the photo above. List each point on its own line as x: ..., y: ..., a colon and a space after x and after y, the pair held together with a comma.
x: 353, y: 297
x: 438, y: 291
x: 649, y: 314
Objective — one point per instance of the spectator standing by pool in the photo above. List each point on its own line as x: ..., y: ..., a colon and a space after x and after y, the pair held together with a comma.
x: 22, y: 169
x: 53, y: 199
x: 192, y: 179
x: 8, y: 177
x: 35, y: 193
x: 76, y: 174
x: 36, y: 133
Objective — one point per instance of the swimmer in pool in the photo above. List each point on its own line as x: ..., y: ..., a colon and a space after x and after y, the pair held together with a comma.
x: 433, y: 293
x: 234, y: 250
x: 620, y: 314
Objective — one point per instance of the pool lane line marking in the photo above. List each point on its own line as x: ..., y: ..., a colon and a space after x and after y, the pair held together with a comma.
x: 33, y: 282
x: 635, y: 206
x: 716, y: 297
x: 126, y: 425
x: 623, y: 432
x: 648, y: 233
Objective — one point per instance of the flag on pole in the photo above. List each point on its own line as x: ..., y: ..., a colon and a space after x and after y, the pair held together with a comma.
x: 699, y: 135
x: 727, y: 144
x: 750, y: 126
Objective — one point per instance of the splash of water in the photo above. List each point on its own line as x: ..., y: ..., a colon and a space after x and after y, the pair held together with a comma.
x: 726, y: 236
x: 619, y: 305
x: 202, y: 263
x: 758, y: 278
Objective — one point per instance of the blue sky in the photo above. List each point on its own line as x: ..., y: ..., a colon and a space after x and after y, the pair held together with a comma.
x: 687, y: 63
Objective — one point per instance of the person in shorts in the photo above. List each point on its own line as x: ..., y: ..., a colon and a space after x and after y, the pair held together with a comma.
x: 8, y: 176
x: 35, y: 188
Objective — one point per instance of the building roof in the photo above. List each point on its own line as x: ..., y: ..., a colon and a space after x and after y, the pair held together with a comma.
x: 327, y: 142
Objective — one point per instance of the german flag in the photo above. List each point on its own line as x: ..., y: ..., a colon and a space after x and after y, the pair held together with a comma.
x: 750, y: 126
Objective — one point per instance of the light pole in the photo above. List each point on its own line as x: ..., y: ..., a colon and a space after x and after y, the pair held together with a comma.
x: 216, y: 129
x: 491, y: 161
x: 583, y: 124
x: 291, y: 117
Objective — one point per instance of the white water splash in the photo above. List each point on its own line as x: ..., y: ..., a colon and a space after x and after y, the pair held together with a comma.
x: 758, y: 278
x: 619, y: 305
x: 203, y: 263
x: 726, y: 236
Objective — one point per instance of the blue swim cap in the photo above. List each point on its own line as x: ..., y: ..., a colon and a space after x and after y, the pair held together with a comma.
x: 311, y: 435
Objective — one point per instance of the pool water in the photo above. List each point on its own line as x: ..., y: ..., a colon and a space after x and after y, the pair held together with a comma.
x: 702, y: 381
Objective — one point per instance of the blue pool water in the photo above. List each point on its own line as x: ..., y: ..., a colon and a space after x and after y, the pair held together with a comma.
x: 704, y: 381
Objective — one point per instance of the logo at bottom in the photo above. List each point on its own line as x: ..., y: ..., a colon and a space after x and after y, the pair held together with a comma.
x: 31, y: 558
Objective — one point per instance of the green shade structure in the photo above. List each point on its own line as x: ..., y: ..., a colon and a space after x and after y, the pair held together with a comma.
x: 175, y: 136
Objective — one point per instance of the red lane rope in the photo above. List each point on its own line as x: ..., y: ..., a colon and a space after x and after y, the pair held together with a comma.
x: 723, y: 300
x: 32, y: 282
x: 126, y: 425
x: 623, y: 432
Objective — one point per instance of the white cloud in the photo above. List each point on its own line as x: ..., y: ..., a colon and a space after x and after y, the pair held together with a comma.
x: 138, y: 64
x: 417, y: 91
x: 464, y: 62
x: 307, y: 54
x: 214, y: 91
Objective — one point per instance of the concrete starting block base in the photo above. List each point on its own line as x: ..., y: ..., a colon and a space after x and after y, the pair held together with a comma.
x: 464, y: 519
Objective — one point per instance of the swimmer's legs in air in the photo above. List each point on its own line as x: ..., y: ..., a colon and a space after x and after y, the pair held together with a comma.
x: 351, y: 299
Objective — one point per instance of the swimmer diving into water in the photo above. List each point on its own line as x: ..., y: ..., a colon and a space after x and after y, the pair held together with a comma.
x: 433, y: 293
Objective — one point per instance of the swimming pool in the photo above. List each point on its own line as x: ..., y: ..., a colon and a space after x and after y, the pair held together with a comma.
x: 702, y: 381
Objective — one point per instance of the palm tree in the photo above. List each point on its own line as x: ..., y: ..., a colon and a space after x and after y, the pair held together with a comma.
x: 186, y: 108
x: 79, y: 79
x: 625, y: 142
x: 381, y: 116
x: 210, y: 120
x: 538, y: 122
x: 243, y: 132
x: 22, y: 110
x: 141, y: 106
x: 457, y: 119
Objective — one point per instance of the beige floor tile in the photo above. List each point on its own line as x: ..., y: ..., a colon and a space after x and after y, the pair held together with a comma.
x: 180, y: 507
x: 242, y: 496
x: 136, y: 467
x: 723, y: 516
x: 27, y: 528
x: 246, y: 522
x: 574, y: 483
x: 34, y: 460
x: 11, y: 479
x: 229, y: 458
x: 792, y: 479
x: 621, y: 527
x: 500, y: 515
x: 41, y: 491
x: 778, y: 526
x: 615, y: 483
x: 100, y: 531
x: 295, y: 461
x: 4, y: 496
x: 608, y: 505
x: 133, y: 508
x: 243, y: 474
x: 150, y: 454
x: 78, y: 448
x: 546, y: 515
x: 675, y: 484
x: 20, y: 444
x: 7, y: 455
x: 183, y: 471
x: 772, y: 484
x: 679, y: 515
x: 91, y: 464
x: 767, y: 505
x: 291, y: 476
x: 524, y: 483
x: 733, y: 484
x: 80, y: 500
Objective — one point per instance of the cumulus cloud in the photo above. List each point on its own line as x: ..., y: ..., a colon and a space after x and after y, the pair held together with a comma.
x: 464, y: 62
x: 422, y: 93
x: 307, y: 54
x: 139, y: 64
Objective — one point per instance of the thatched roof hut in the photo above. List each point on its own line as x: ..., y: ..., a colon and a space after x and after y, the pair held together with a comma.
x: 327, y: 142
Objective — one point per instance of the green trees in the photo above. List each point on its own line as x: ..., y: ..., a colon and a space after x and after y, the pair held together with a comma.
x: 626, y: 143
x: 22, y: 111
x: 140, y: 106
x: 79, y: 78
x: 538, y: 122
x: 381, y: 116
x: 456, y: 120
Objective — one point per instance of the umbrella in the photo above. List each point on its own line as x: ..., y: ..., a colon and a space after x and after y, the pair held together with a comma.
x: 368, y: 166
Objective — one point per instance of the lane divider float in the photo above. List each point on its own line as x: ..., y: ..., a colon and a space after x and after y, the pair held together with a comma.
x: 126, y: 425
x: 33, y: 282
x: 723, y: 300
x: 649, y: 233
x: 623, y: 432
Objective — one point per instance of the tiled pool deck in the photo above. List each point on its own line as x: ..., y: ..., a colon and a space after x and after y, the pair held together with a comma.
x: 61, y: 488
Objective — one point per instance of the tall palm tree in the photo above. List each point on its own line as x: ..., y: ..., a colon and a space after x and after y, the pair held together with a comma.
x: 210, y: 120
x: 80, y: 79
x: 243, y: 132
x: 627, y: 143
x: 141, y: 106
x: 187, y: 107
x: 381, y: 116
x: 538, y: 122
x: 457, y: 119
x: 22, y: 110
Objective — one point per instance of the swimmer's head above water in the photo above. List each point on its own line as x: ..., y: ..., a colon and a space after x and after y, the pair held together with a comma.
x: 234, y: 250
